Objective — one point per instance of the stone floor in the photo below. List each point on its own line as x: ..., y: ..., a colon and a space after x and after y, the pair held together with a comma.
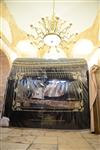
x: 47, y: 139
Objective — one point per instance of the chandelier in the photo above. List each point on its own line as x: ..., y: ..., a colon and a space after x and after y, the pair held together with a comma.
x: 52, y: 31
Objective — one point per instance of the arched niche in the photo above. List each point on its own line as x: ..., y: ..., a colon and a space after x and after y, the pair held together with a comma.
x: 4, y: 71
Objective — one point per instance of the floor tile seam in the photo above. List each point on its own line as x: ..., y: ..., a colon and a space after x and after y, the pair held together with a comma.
x: 5, y: 140
x: 29, y: 146
x: 88, y: 142
x: 34, y: 139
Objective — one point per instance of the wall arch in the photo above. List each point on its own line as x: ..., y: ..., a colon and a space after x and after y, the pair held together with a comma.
x: 4, y: 71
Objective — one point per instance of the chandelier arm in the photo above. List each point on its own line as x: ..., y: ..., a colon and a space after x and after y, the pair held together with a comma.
x: 45, y: 25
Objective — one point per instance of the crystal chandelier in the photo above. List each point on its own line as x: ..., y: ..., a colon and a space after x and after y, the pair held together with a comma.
x: 52, y: 31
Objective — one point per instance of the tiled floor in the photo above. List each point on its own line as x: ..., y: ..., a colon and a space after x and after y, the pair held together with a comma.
x: 47, y: 139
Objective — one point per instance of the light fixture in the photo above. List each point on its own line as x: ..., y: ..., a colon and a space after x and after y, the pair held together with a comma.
x: 52, y: 31
x: 52, y: 39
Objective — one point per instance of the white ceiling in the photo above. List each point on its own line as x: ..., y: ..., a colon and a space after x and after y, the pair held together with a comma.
x: 79, y: 12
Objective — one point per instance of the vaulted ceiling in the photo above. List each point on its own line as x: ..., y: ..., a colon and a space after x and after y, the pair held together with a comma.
x: 81, y: 13
x: 17, y: 15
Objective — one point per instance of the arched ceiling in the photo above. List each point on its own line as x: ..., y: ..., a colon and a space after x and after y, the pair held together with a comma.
x: 17, y: 15
x: 81, y: 13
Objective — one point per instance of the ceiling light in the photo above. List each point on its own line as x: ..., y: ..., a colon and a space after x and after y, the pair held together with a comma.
x: 52, y: 39
x: 52, y: 31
